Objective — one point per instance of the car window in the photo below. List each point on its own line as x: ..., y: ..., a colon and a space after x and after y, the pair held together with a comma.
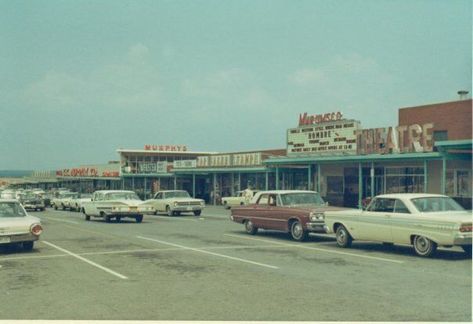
x: 436, y: 204
x: 272, y: 200
x: 158, y: 195
x: 11, y: 209
x: 399, y: 207
x: 385, y: 205
x: 263, y: 199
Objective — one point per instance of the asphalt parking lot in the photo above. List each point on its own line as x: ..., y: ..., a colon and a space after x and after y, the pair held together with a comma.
x: 208, y: 268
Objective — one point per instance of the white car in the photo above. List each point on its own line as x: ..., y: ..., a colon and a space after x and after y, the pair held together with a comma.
x: 61, y: 199
x: 422, y: 220
x: 16, y: 226
x: 116, y: 204
x: 175, y: 202
x: 77, y: 203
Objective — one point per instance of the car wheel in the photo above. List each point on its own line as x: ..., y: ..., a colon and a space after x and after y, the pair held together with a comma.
x: 344, y: 238
x: 169, y: 211
x: 467, y: 249
x: 197, y: 212
x: 155, y: 212
x: 139, y: 218
x: 250, y: 227
x: 55, y: 207
x: 108, y: 219
x: 87, y: 217
x: 297, y: 231
x: 28, y: 246
x: 423, y: 246
x: 63, y: 207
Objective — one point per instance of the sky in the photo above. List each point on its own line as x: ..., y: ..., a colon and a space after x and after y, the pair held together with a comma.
x: 80, y: 79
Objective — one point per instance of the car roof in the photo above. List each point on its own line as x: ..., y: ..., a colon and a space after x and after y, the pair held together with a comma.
x: 171, y: 190
x: 285, y: 191
x: 410, y: 195
x: 110, y: 191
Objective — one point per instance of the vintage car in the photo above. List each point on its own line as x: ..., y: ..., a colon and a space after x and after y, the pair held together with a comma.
x: 77, y: 203
x: 116, y: 204
x: 239, y: 200
x: 61, y: 198
x: 69, y: 200
x: 32, y: 200
x: 422, y: 220
x: 175, y: 202
x: 295, y: 211
x: 16, y: 226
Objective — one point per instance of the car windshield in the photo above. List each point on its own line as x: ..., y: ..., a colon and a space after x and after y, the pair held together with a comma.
x: 436, y: 204
x: 11, y: 209
x: 177, y: 194
x: 301, y: 198
x: 29, y: 196
x: 121, y: 196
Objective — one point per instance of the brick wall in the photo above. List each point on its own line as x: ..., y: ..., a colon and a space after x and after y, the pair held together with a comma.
x: 454, y: 117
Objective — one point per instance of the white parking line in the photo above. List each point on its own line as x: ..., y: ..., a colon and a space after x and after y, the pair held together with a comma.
x: 59, y: 220
x: 172, y: 218
x: 317, y: 249
x: 86, y: 260
x: 207, y: 252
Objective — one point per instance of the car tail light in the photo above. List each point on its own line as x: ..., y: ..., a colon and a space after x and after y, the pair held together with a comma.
x: 36, y: 229
x: 465, y: 227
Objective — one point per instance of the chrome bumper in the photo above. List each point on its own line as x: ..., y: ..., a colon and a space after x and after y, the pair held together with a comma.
x: 186, y: 208
x: 17, y: 238
x: 462, y: 239
x: 316, y: 227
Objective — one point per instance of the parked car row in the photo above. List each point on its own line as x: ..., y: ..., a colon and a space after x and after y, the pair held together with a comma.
x: 424, y: 221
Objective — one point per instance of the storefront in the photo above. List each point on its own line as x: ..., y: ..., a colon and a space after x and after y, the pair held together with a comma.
x: 221, y: 175
x: 88, y: 178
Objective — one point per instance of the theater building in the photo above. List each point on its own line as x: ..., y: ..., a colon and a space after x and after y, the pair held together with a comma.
x: 428, y: 151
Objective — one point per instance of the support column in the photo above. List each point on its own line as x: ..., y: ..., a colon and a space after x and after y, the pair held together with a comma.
x: 309, y: 175
x: 193, y: 185
x: 372, y: 179
x: 214, y: 202
x: 133, y: 183
x: 232, y: 184
x: 277, y: 178
x: 239, y: 181
x: 443, y: 176
x: 319, y: 177
x: 425, y: 176
x: 360, y: 185
x: 144, y: 188
x: 175, y: 183
x: 266, y: 181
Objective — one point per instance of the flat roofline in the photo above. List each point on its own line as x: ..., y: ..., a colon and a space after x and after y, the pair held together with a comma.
x: 160, y: 152
x: 436, y: 104
x: 355, y: 158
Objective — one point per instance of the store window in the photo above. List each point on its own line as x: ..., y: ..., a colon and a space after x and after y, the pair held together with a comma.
x: 404, y: 179
x: 440, y: 135
x: 458, y: 183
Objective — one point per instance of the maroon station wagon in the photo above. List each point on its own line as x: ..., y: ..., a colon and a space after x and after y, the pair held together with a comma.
x: 295, y: 211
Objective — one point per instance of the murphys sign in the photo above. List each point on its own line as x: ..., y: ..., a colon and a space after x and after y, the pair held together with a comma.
x: 327, y: 137
x: 400, y: 139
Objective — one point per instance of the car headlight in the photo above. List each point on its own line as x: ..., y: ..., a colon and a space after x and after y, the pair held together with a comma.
x: 36, y: 229
x: 316, y: 216
x: 175, y: 204
x: 202, y: 203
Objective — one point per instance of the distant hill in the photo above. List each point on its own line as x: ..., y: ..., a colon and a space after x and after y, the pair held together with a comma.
x: 15, y: 173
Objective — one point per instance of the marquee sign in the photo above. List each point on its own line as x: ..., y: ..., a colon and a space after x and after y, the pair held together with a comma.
x: 230, y: 160
x: 153, y: 167
x: 165, y: 148
x: 305, y: 119
x: 184, y: 164
x: 335, y: 137
x: 97, y: 171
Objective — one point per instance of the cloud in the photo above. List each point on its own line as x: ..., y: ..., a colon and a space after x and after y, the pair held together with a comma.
x: 132, y: 81
x: 307, y: 76
x: 236, y: 86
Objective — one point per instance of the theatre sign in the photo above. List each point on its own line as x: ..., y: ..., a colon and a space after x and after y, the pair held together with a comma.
x: 323, y: 134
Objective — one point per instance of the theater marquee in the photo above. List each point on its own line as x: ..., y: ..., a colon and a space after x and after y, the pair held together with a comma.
x: 329, y: 136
